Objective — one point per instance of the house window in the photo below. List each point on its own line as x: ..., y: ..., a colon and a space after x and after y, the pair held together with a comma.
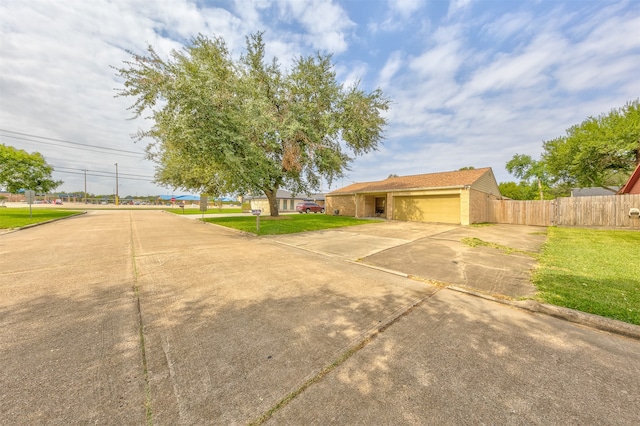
x: 291, y: 207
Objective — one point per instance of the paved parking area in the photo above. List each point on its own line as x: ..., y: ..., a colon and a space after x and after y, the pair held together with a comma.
x: 131, y: 317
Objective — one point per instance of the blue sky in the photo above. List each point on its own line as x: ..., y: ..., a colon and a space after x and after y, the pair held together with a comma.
x: 471, y: 82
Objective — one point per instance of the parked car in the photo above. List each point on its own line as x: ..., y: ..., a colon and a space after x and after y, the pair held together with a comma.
x: 308, y: 207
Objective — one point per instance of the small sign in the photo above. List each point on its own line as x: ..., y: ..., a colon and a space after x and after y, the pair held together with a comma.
x: 256, y: 212
x: 30, y: 196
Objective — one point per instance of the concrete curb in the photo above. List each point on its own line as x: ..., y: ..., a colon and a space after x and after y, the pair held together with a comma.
x: 589, y: 320
x: 32, y: 225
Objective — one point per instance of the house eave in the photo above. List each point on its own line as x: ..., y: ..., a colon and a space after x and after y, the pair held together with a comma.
x: 384, y: 191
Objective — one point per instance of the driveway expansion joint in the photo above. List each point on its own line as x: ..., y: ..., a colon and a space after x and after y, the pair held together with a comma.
x: 358, y: 343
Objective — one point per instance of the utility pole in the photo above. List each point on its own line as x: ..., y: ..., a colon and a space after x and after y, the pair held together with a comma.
x: 116, y: 184
x: 85, y: 185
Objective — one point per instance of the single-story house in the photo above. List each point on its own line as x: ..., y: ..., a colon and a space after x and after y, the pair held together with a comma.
x: 286, y: 201
x: 633, y: 184
x: 450, y: 197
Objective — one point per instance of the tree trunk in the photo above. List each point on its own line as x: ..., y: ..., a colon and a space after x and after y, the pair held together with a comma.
x: 273, y: 201
x: 540, y: 189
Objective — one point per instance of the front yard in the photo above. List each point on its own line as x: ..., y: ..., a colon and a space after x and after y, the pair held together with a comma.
x: 287, y: 224
x: 594, y: 271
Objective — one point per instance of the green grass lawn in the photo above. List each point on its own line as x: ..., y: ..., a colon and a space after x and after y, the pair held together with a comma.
x: 18, y: 217
x: 592, y: 271
x: 287, y: 224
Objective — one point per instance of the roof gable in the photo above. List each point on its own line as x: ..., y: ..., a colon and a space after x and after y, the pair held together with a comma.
x: 458, y: 178
x: 633, y: 184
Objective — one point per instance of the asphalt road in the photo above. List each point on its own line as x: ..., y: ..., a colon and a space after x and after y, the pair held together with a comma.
x: 134, y: 317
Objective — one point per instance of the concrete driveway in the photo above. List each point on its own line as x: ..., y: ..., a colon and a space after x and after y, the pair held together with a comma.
x: 436, y: 252
x: 130, y: 317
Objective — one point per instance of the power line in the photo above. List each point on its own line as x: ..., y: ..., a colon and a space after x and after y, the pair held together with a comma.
x: 99, y: 171
x: 85, y: 162
x: 70, y: 147
x: 102, y: 176
x: 86, y: 147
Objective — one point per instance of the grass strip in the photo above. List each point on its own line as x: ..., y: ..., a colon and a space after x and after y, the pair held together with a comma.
x: 477, y: 242
x: 593, y: 271
x: 287, y: 224
x: 18, y: 217
x: 339, y: 361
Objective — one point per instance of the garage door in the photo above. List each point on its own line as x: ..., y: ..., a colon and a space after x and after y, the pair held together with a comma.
x: 433, y: 208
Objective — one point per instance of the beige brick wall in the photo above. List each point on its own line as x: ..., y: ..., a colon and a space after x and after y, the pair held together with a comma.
x: 465, y: 207
x: 344, y: 203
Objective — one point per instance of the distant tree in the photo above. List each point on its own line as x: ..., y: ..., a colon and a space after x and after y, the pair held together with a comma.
x: 20, y: 170
x: 466, y: 168
x: 519, y: 191
x: 601, y: 151
x: 529, y: 171
x: 392, y: 175
x: 246, y: 125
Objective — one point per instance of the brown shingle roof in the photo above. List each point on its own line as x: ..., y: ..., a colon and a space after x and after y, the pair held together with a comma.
x: 429, y: 180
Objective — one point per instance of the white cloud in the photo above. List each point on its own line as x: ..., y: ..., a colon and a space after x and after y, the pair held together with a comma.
x: 326, y: 23
x: 456, y: 6
x: 595, y: 57
x: 391, y: 67
x: 510, y: 25
x: 400, y: 14
x: 405, y: 8
x: 351, y: 73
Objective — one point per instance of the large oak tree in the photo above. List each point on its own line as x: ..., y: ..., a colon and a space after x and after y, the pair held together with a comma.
x: 601, y: 151
x: 244, y: 125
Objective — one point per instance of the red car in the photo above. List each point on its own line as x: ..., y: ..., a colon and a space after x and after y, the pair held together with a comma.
x: 308, y: 207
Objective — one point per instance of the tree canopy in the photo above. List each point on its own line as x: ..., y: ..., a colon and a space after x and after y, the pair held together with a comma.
x: 601, y: 151
x: 20, y: 170
x: 531, y: 173
x: 244, y: 125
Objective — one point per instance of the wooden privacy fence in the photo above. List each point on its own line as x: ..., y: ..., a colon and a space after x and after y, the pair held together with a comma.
x: 606, y: 211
